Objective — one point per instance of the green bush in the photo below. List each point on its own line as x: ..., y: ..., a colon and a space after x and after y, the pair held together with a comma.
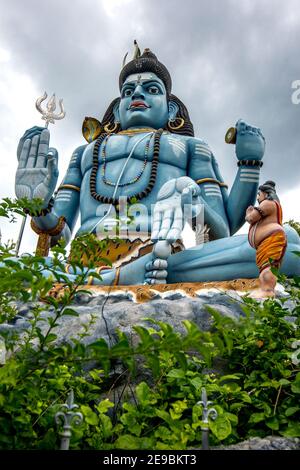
x: 258, y: 395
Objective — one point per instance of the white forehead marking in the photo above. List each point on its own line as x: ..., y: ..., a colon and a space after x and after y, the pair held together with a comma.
x: 138, y: 77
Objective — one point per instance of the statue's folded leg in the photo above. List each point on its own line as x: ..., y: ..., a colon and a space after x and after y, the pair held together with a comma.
x: 132, y: 273
x: 226, y: 259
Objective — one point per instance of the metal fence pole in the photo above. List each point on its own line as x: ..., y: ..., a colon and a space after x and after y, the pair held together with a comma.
x: 67, y: 418
x: 205, y: 415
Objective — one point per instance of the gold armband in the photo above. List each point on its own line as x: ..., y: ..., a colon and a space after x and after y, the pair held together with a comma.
x: 43, y: 244
x: 212, y: 180
x: 69, y: 186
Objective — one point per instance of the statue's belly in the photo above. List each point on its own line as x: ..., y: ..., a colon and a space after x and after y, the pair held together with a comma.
x: 93, y: 209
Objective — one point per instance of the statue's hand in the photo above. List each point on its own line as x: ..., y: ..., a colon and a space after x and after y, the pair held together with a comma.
x: 177, y: 200
x: 250, y: 143
x: 37, y: 171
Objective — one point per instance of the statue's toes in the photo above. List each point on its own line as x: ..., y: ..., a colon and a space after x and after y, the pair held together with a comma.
x: 157, y: 264
x: 157, y: 274
x: 154, y: 281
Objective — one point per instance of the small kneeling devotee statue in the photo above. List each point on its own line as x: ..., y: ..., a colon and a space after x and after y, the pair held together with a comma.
x: 267, y: 236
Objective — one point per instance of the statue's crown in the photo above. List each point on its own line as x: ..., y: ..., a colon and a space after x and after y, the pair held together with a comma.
x: 146, y: 62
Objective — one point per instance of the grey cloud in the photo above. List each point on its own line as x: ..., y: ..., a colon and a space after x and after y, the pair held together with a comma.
x: 228, y: 60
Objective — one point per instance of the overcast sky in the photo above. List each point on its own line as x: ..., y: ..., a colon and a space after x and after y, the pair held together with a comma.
x: 229, y: 59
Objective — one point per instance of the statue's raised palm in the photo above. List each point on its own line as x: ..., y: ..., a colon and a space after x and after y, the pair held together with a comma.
x: 37, y: 169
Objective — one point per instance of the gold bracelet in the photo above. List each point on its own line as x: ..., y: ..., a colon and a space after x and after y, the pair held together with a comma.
x: 43, y: 244
x: 212, y: 180
x: 52, y: 231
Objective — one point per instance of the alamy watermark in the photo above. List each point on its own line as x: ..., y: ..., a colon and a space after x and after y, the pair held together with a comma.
x: 133, y: 221
x: 295, y: 97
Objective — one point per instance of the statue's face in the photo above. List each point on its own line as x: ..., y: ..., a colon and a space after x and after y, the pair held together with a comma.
x: 143, y: 102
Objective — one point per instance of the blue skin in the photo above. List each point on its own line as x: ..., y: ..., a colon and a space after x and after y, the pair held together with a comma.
x: 179, y: 156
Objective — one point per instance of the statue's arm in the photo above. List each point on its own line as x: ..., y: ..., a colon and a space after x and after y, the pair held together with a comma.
x: 203, y: 170
x: 66, y: 202
x: 250, y: 145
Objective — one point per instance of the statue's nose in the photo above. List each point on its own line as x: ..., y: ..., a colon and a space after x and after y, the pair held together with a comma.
x: 138, y: 92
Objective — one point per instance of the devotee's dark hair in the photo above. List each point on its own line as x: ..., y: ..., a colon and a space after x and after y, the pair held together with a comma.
x: 269, y: 188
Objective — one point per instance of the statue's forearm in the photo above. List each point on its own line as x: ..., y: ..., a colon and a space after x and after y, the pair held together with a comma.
x: 243, y: 193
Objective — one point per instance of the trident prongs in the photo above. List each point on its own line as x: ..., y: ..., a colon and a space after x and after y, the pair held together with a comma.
x: 48, y: 114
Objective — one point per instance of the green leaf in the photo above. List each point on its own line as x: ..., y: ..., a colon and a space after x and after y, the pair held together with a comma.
x: 233, y: 418
x: 127, y: 442
x: 154, y: 363
x: 104, y: 405
x: 284, y: 382
x: 70, y: 312
x: 292, y: 410
x: 144, y: 394
x: 293, y: 430
x: 181, y: 358
x: 229, y: 377
x: 256, y: 418
x: 106, y: 425
x: 295, y: 387
x: 120, y: 349
x: 176, y: 374
x: 51, y: 337
x: 146, y: 339
x: 221, y: 427
x: 100, y: 346
x: 178, y: 408
x: 197, y: 382
x: 273, y: 423
x: 245, y: 397
x: 164, y: 415
x: 89, y: 415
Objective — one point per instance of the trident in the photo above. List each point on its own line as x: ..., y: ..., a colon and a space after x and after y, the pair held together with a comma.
x: 49, y: 116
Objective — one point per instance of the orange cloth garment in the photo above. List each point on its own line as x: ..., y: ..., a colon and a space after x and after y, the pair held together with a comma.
x: 273, y: 247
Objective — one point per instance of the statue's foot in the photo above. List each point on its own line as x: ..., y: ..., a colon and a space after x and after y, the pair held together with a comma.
x: 156, y: 272
x: 262, y: 294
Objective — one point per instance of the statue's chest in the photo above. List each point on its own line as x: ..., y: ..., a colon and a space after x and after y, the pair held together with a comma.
x: 173, y: 150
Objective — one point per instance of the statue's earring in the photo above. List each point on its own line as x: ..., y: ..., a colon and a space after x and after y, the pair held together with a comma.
x: 175, y: 127
x: 109, y: 129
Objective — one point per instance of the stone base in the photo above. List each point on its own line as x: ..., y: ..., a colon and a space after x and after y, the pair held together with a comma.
x: 143, y: 293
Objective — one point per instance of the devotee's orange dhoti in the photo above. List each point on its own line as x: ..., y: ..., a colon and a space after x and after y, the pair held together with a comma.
x: 273, y: 247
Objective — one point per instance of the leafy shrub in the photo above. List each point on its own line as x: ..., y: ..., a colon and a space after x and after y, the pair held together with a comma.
x: 258, y: 395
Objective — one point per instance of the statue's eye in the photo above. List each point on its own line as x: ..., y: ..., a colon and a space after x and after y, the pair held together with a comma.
x: 128, y: 92
x: 154, y: 90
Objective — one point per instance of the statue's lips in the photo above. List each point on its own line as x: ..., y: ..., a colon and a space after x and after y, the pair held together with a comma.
x: 138, y: 104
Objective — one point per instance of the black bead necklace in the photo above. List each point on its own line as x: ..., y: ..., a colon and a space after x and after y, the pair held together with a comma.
x: 136, y: 196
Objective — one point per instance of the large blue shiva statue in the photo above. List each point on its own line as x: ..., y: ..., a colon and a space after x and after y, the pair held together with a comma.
x: 144, y: 152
